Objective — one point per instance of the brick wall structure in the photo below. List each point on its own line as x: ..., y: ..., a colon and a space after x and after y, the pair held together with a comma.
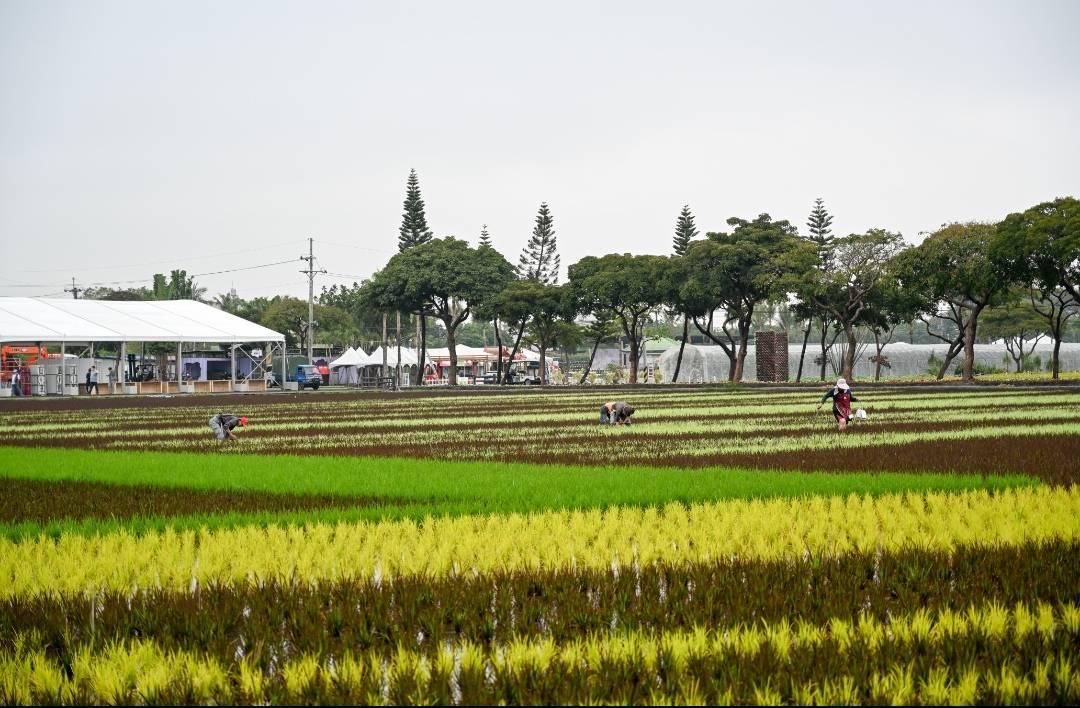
x: 771, y: 351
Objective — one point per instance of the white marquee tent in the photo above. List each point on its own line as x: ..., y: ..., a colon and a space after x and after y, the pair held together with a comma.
x: 408, y: 357
x: 86, y: 322
x: 345, y: 369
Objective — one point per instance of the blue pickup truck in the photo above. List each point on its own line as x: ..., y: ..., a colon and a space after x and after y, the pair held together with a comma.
x: 308, y: 375
x: 305, y: 375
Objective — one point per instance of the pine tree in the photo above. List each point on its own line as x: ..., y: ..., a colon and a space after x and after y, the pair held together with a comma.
x: 819, y: 223
x: 821, y: 235
x: 685, y: 231
x: 414, y: 229
x: 485, y: 239
x: 539, y: 260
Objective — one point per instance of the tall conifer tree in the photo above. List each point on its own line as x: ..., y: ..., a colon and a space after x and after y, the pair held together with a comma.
x: 539, y: 260
x: 820, y: 235
x: 414, y: 229
x: 819, y: 222
x: 413, y: 232
x: 485, y: 239
x: 685, y: 231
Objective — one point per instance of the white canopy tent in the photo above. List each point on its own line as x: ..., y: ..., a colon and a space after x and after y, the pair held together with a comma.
x: 408, y: 357
x: 345, y: 369
x: 86, y: 322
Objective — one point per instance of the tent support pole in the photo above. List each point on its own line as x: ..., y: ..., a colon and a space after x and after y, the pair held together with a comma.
x: 232, y: 369
x: 121, y: 377
x: 179, y: 364
x: 63, y: 368
x: 284, y: 365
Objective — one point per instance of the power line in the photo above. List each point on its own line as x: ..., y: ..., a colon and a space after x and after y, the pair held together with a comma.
x: 156, y: 263
x: 359, y: 248
x: 346, y: 276
x: 192, y: 275
x: 236, y: 270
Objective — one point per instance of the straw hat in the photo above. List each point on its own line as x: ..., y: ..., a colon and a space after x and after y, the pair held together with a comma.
x: 842, y: 384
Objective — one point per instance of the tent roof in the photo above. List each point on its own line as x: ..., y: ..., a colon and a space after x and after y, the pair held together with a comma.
x: 408, y: 357
x: 350, y: 357
x: 353, y: 357
x: 25, y: 319
x: 463, y: 352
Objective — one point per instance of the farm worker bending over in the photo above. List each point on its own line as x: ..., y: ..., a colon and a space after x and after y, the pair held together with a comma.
x: 223, y: 423
x: 841, y: 406
x: 616, y: 413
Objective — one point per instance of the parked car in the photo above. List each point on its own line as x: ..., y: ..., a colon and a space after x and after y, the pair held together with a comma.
x: 305, y: 376
x: 308, y: 375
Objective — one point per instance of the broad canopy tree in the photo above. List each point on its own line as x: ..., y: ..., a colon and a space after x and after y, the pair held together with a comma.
x: 735, y: 272
x: 536, y: 310
x: 630, y: 287
x: 855, y: 270
x: 550, y: 308
x: 443, y: 278
x: 955, y: 267
x: 1043, y: 243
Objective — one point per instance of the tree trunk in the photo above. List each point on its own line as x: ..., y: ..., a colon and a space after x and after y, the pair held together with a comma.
x: 1018, y: 361
x: 802, y: 353
x: 969, y: 347
x: 513, y: 353
x: 423, y: 348
x: 847, y: 368
x: 682, y: 346
x: 419, y: 354
x: 498, y: 344
x: 1056, y: 363
x: 451, y: 345
x: 635, y: 352
x: 955, y: 348
x: 824, y: 346
x: 744, y: 344
x: 878, y: 347
x: 729, y: 350
x: 543, y: 363
x: 592, y: 357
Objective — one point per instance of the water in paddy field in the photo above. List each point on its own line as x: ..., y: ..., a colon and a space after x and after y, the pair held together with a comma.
x: 709, y: 364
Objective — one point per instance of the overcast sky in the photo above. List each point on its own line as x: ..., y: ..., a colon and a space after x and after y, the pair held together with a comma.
x: 140, y: 136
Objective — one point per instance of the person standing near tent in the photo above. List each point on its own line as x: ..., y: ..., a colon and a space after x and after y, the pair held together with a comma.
x: 223, y: 423
x: 842, y: 397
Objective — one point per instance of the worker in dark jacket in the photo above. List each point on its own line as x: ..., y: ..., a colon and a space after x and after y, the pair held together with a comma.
x: 616, y: 413
x: 842, y: 397
x: 223, y: 423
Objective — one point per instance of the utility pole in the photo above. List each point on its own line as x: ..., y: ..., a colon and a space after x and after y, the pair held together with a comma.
x: 384, y: 369
x: 74, y: 289
x: 397, y: 371
x: 310, y: 272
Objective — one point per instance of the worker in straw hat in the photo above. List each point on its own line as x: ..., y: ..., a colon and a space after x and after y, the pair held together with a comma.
x: 841, y: 407
x: 223, y: 423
